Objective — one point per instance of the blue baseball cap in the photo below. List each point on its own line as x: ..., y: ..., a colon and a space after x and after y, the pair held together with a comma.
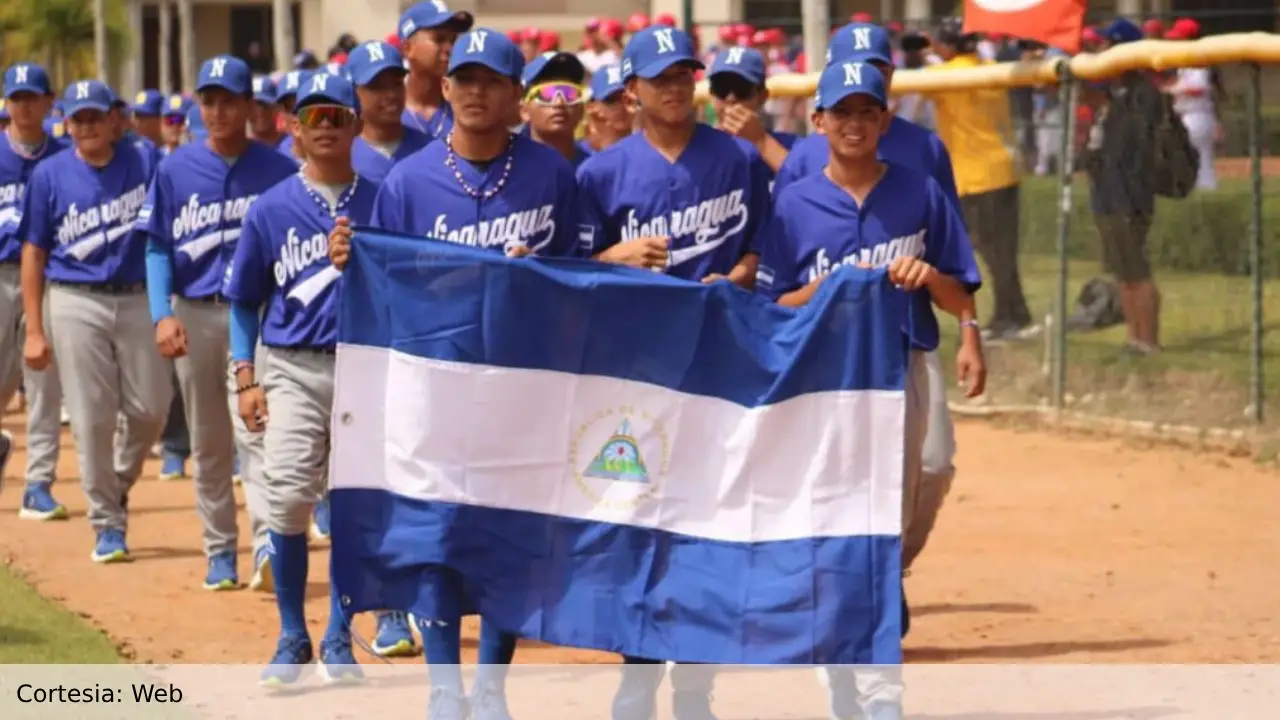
x: 654, y: 49
x: 87, y: 95
x: 225, y: 72
x: 845, y: 79
x: 117, y: 101
x: 148, y: 102
x: 175, y: 106
x: 488, y: 48
x: 289, y: 84
x: 369, y: 60
x: 1123, y: 30
x: 746, y: 63
x: 26, y: 77
x: 326, y: 89
x: 196, y: 130
x: 554, y: 64
x: 57, y: 110
x: 606, y: 82
x: 264, y: 90
x: 433, y: 14
x: 860, y: 42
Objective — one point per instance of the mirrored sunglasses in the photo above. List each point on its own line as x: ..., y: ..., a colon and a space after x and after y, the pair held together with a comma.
x: 337, y: 116
x: 175, y: 120
x: 553, y: 93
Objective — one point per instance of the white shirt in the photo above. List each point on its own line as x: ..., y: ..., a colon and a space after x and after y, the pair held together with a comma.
x: 593, y: 60
x: 1193, y: 92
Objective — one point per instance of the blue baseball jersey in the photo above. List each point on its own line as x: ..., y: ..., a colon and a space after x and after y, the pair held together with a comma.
x: 581, y: 150
x: 147, y: 150
x: 196, y: 205
x: 817, y: 227
x: 787, y: 140
x: 434, y: 127
x: 15, y: 173
x: 372, y: 164
x: 711, y: 203
x: 84, y: 217
x: 282, y: 262
x: 535, y: 208
x: 285, y: 148
x: 905, y: 144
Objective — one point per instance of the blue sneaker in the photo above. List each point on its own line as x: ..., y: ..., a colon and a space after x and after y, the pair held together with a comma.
x: 320, y: 520
x: 446, y: 704
x: 173, y: 466
x: 489, y: 702
x: 394, y: 637
x: 222, y: 572
x: 293, y: 655
x: 337, y: 663
x: 110, y: 547
x: 38, y: 503
x: 236, y: 478
x: 263, y: 580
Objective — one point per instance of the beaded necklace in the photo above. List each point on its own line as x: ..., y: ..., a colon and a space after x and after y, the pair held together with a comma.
x: 450, y: 159
x: 333, y: 210
x: 22, y: 153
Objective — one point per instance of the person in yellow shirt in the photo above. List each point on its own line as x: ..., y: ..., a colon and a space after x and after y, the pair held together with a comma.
x: 975, y: 126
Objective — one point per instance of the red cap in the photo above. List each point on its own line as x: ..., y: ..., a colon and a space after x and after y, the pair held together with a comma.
x: 776, y: 36
x: 638, y: 22
x: 860, y: 17
x: 393, y: 39
x: 1153, y: 26
x: 593, y: 23
x: 761, y: 37
x: 1184, y: 29
x: 530, y: 34
x: 665, y: 19
x: 611, y: 28
x: 1090, y: 35
x: 893, y: 26
x: 549, y: 41
x: 515, y: 36
x: 339, y: 59
x: 727, y: 33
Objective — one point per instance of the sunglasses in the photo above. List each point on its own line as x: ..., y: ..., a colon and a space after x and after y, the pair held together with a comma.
x: 175, y: 120
x: 553, y: 93
x: 337, y: 116
x: 724, y: 85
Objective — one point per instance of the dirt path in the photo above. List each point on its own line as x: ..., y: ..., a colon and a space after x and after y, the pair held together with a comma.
x: 1051, y: 549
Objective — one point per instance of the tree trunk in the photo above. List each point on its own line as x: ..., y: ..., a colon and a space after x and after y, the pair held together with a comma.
x: 282, y: 33
x: 100, y: 38
x: 187, y: 43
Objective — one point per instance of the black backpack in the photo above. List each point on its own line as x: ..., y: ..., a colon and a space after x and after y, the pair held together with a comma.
x: 1176, y: 159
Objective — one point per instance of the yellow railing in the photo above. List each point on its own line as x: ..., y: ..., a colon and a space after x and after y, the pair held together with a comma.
x: 1261, y: 48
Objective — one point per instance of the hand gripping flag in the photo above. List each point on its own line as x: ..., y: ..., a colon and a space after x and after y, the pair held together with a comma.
x: 1057, y: 23
x: 600, y: 457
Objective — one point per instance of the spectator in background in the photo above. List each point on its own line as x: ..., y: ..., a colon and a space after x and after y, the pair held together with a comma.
x: 1153, y: 29
x: 549, y: 41
x: 611, y: 33
x: 914, y: 107
x: 595, y: 52
x: 256, y: 58
x: 305, y: 60
x: 737, y: 79
x: 1193, y: 90
x: 637, y: 22
x: 1021, y: 104
x: 530, y: 43
x: 1120, y: 161
x: 1047, y: 117
x: 610, y: 114
x: 975, y: 127
x: 264, y: 115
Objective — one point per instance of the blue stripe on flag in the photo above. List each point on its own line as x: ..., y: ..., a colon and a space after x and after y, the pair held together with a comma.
x: 622, y: 589
x: 444, y: 301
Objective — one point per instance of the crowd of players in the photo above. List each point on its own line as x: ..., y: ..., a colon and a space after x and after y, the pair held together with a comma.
x: 161, y: 237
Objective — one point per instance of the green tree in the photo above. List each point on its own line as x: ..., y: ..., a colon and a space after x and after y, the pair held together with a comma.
x: 60, y: 35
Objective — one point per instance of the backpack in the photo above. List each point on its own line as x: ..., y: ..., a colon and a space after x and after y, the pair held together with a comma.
x: 1097, y: 307
x: 1176, y: 159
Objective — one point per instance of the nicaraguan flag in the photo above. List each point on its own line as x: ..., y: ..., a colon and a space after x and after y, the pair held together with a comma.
x: 601, y: 457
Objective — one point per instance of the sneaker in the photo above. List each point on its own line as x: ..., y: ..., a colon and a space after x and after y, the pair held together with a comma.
x: 338, y: 664
x: 38, y: 503
x: 842, y: 694
x: 6, y: 449
x: 173, y: 467
x: 262, y: 579
x: 110, y: 547
x: 293, y: 655
x: 1009, y: 332
x: 489, y: 702
x: 222, y: 572
x: 320, y: 521
x: 236, y: 478
x: 446, y: 704
x: 637, y: 693
x: 688, y: 705
x: 394, y: 637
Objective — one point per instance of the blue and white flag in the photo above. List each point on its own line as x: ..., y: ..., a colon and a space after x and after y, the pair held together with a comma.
x: 601, y: 457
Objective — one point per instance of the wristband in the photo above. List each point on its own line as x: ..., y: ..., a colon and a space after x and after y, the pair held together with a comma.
x: 970, y: 324
x: 242, y: 389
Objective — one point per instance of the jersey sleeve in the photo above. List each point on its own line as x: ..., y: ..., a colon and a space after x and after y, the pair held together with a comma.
x: 593, y: 232
x: 37, y: 224
x: 564, y: 239
x: 388, y: 205
x: 760, y: 204
x: 947, y: 246
x: 153, y: 218
x: 778, y: 273
x: 248, y: 279
x: 792, y: 169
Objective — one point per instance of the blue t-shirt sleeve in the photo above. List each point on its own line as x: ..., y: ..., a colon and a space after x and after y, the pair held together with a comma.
x: 153, y: 217
x: 593, y: 235
x: 947, y: 245
x: 943, y: 172
x: 248, y: 280
x: 760, y: 205
x: 159, y: 268
x: 243, y: 327
x: 564, y: 240
x: 36, y: 226
x: 777, y: 273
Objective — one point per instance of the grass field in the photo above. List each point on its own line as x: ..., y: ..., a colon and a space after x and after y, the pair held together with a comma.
x: 35, y: 630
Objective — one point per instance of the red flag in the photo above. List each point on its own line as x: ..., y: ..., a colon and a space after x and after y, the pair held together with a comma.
x: 1057, y: 23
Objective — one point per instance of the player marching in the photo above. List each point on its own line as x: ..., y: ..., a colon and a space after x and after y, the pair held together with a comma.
x: 173, y: 123
x: 264, y: 119
x: 554, y: 98
x: 28, y: 97
x: 738, y: 93
x: 864, y: 212
x: 678, y: 197
x: 610, y: 116
x: 281, y: 273
x: 428, y: 31
x: 485, y: 187
x: 79, y: 239
x: 192, y: 219
x: 377, y: 69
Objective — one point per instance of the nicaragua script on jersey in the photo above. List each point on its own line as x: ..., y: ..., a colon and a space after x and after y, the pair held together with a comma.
x: 517, y: 228
x: 195, y: 217
x: 703, y: 221
x: 877, y: 255
x: 118, y: 212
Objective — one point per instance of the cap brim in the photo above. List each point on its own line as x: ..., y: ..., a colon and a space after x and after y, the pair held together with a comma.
x: 462, y: 21
x: 321, y: 99
x: 657, y: 67
x: 143, y: 110
x: 88, y: 105
x: 33, y: 89
x: 486, y: 65
x: 735, y: 71
x: 842, y: 95
x: 374, y: 71
x: 216, y: 85
x: 563, y: 64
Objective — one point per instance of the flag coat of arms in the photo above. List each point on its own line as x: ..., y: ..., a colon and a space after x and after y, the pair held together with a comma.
x: 600, y: 457
x: 1056, y: 23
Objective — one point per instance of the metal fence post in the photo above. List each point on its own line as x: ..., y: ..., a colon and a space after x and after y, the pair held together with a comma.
x: 1067, y: 96
x: 1258, y: 381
